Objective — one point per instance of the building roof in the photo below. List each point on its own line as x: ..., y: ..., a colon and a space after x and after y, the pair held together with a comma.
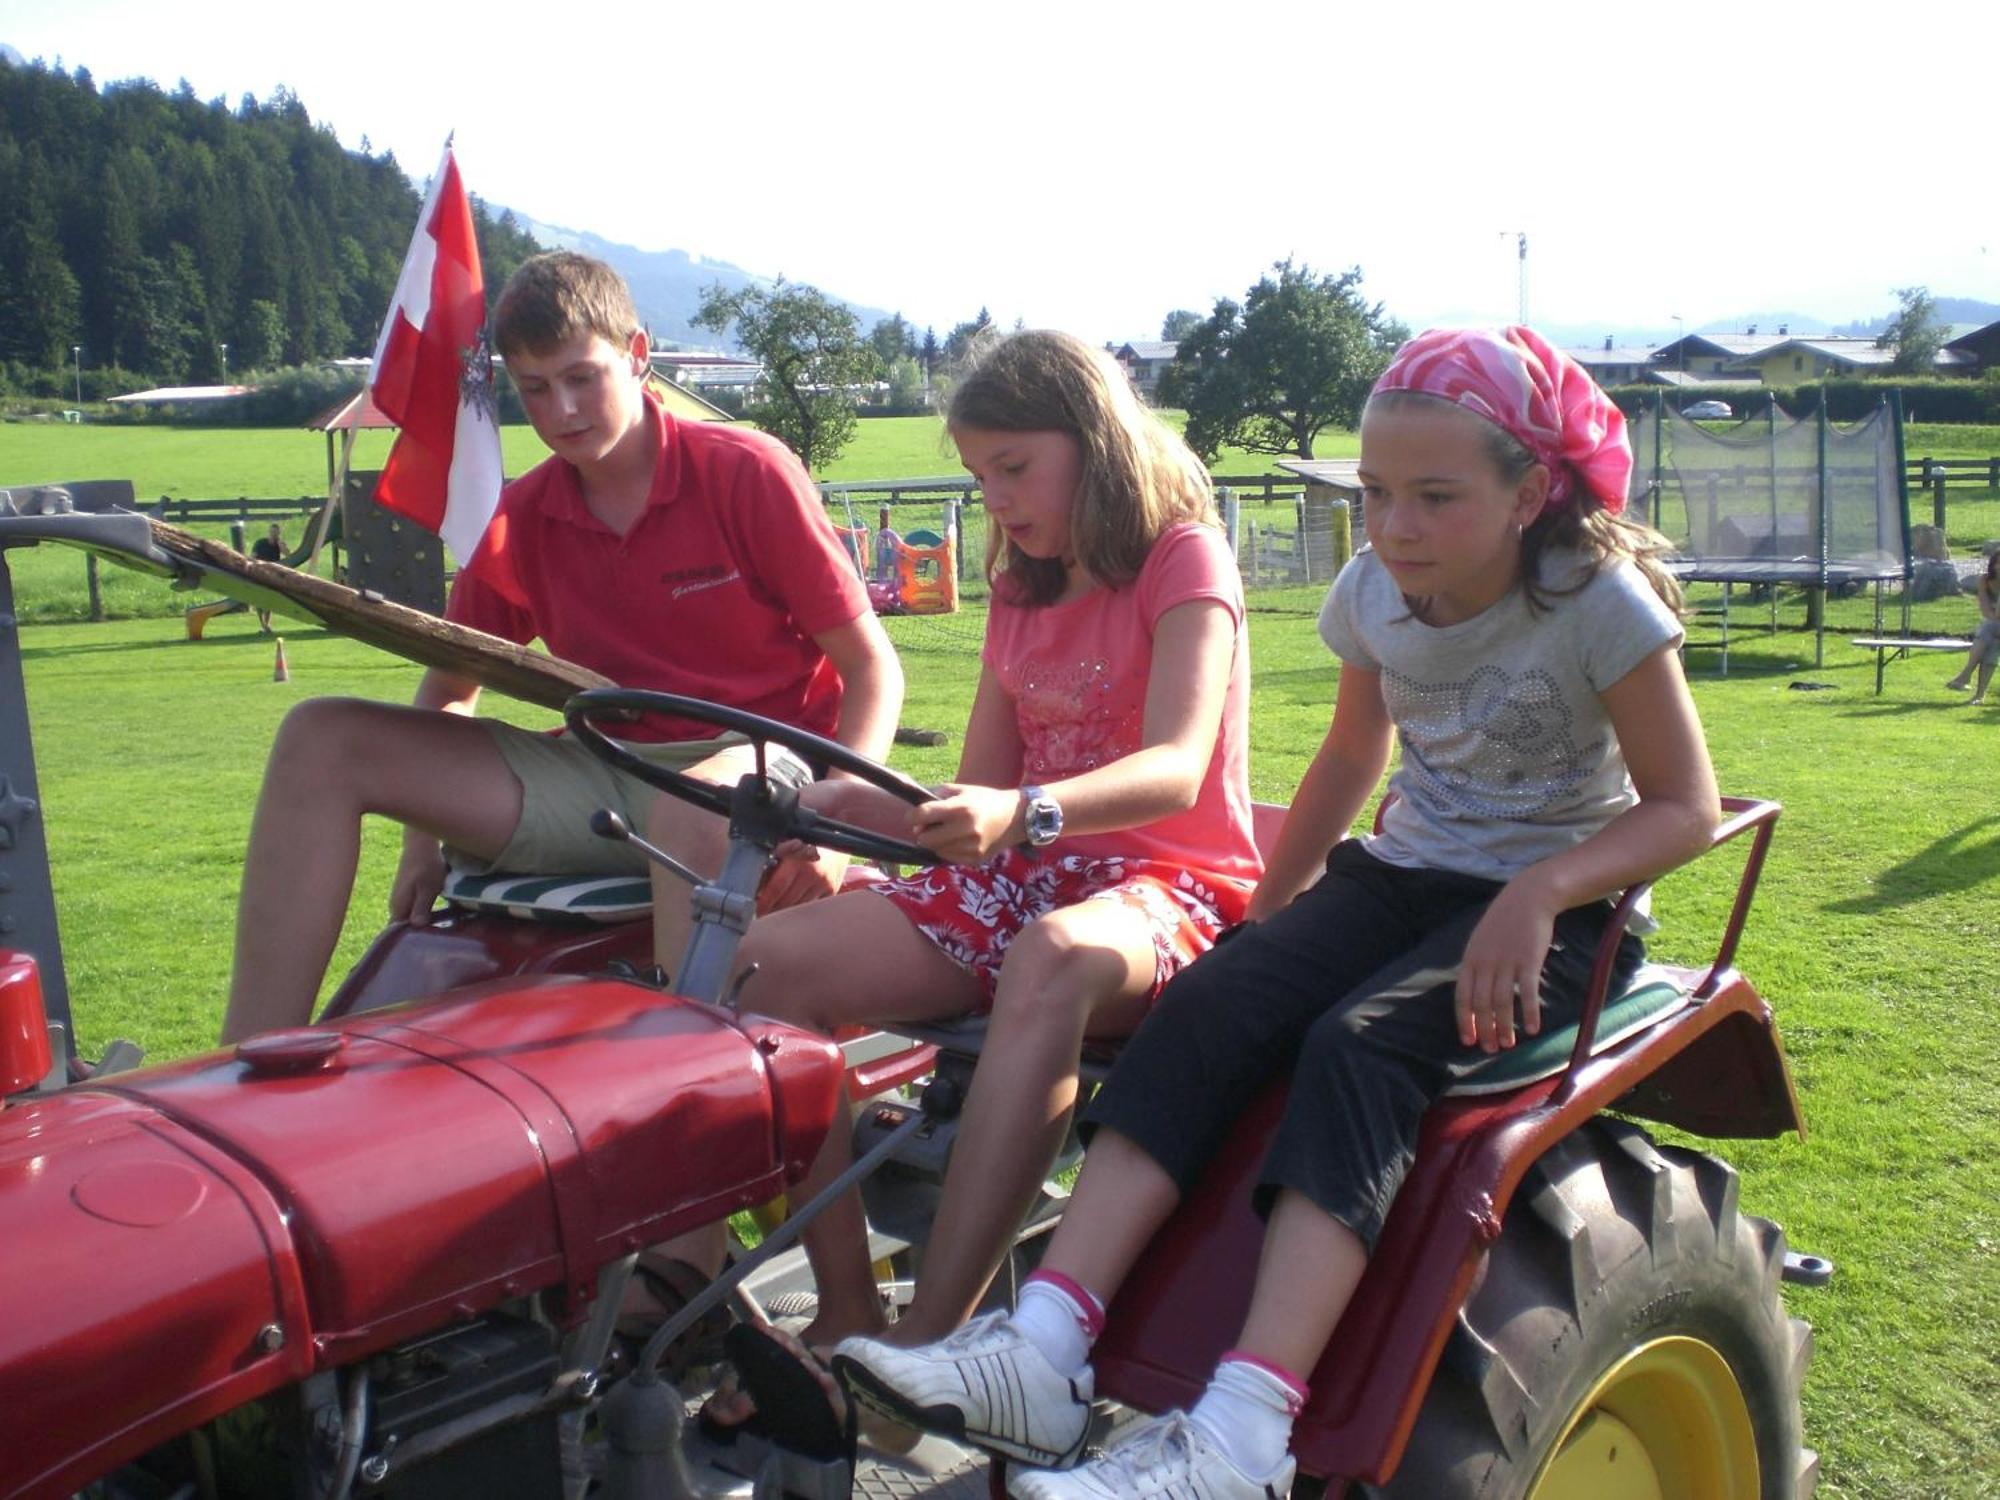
x: 1856, y: 352
x: 186, y: 393
x: 684, y: 401
x: 1154, y: 350
x: 1341, y: 473
x: 1734, y: 345
x: 1621, y: 354
x: 356, y: 410
x: 1974, y: 339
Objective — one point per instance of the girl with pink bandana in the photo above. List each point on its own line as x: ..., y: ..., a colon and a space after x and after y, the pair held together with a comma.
x: 1517, y: 636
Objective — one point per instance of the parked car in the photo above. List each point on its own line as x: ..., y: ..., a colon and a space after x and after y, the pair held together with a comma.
x: 1708, y: 411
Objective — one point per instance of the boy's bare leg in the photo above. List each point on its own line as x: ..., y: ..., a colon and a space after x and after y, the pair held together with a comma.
x: 1094, y: 959
x: 699, y: 839
x: 334, y: 761
x: 851, y: 959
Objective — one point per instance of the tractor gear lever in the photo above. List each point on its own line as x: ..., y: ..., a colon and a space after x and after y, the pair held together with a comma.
x: 607, y: 824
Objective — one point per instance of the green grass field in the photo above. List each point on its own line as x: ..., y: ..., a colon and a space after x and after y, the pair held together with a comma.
x: 1873, y: 937
x: 225, y: 463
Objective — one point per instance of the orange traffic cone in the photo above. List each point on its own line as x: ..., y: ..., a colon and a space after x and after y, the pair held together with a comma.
x: 280, y: 672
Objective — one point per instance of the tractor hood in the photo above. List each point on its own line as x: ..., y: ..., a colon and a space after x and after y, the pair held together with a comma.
x: 185, y: 1238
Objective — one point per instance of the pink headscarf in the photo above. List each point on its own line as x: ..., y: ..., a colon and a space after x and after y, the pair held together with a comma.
x: 1532, y: 391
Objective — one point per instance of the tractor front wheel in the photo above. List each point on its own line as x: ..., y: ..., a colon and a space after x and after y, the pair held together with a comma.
x: 1626, y: 1340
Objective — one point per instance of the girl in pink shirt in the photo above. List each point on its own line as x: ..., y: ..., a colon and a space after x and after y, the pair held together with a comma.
x: 1098, y: 836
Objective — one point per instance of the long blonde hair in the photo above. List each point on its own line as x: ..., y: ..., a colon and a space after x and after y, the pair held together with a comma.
x: 1138, y: 478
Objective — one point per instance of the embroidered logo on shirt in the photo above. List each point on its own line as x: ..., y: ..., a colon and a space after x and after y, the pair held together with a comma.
x: 704, y: 578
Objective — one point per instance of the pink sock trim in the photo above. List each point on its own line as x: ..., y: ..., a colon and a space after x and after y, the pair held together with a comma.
x: 1091, y: 1310
x: 1299, y: 1389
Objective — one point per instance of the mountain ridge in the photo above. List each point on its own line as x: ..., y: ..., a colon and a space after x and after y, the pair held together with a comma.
x: 667, y: 284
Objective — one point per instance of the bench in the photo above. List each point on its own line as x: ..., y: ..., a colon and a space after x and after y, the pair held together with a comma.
x: 1903, y: 645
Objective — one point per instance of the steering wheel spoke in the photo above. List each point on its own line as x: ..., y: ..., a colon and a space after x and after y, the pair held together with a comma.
x: 801, y: 823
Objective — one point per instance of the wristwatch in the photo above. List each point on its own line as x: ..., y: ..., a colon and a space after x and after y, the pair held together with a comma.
x: 1042, y: 815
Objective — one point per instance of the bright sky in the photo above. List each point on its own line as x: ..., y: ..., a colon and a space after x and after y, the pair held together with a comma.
x: 1092, y: 165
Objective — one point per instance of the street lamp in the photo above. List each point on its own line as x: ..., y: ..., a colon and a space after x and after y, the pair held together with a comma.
x: 1680, y: 339
x: 76, y: 353
x: 225, y: 364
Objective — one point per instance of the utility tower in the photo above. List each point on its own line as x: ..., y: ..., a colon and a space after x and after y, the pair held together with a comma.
x: 1521, y: 241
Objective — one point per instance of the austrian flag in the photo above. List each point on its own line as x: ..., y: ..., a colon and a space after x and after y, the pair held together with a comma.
x: 433, y: 376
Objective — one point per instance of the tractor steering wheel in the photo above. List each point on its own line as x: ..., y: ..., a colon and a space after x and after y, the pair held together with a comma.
x: 804, y: 824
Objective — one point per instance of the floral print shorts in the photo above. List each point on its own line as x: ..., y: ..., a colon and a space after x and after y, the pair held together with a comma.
x: 972, y: 912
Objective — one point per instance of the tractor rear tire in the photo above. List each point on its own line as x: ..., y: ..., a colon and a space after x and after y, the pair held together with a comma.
x: 1627, y: 1338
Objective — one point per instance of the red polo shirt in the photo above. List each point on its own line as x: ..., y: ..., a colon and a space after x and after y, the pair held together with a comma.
x: 715, y: 593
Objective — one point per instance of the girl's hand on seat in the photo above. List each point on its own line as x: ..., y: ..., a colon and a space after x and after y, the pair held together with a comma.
x: 1502, y: 967
x: 968, y: 823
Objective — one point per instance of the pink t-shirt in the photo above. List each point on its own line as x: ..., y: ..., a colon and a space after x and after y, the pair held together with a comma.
x: 1077, y: 675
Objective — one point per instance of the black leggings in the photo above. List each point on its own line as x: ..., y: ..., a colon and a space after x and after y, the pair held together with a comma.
x: 1349, y: 991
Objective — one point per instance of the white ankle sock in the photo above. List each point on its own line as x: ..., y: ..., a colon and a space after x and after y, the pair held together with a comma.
x: 1247, y: 1412
x: 1058, y: 1322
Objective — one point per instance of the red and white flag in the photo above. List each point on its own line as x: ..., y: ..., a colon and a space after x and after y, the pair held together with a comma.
x: 433, y: 376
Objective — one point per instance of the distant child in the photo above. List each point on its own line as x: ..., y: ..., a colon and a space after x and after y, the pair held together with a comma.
x: 1098, y: 835
x: 1517, y: 636
x: 270, y: 548
x: 687, y: 557
x: 1985, y: 649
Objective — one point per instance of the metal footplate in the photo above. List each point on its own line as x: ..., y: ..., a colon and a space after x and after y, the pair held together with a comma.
x: 753, y: 1469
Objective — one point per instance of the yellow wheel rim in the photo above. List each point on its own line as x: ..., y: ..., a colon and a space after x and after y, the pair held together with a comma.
x: 1667, y: 1422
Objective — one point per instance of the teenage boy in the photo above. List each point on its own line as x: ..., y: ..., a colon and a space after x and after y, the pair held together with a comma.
x: 679, y: 556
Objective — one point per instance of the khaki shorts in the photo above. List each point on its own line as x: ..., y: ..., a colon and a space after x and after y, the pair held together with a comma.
x: 562, y: 784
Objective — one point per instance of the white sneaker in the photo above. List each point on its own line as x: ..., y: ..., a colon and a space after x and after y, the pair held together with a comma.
x: 1168, y: 1458
x: 984, y: 1384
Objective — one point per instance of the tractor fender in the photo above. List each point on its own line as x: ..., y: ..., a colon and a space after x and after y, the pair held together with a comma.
x: 1185, y: 1302
x: 148, y: 1283
x: 426, y: 1163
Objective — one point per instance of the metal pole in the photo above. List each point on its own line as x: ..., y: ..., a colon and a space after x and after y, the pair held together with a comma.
x: 1819, y: 623
x: 1902, y: 507
x: 27, y: 900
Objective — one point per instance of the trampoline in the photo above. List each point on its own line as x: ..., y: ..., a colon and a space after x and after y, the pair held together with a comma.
x: 1778, y: 500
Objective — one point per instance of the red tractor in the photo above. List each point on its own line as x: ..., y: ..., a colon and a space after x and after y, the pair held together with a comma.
x: 383, y: 1255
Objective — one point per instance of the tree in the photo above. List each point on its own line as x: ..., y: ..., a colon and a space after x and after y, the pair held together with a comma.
x: 1178, y: 324
x: 1297, y: 357
x: 892, y: 338
x: 958, y: 343
x: 260, y: 337
x: 813, y: 356
x: 929, y: 353
x: 907, y: 386
x: 1916, y: 334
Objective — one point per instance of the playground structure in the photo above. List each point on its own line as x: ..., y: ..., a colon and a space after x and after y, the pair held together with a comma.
x: 907, y: 573
x: 1778, y: 500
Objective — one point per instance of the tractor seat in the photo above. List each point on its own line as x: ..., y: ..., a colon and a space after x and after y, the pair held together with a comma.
x: 552, y: 898
x: 1654, y: 993
x: 576, y: 898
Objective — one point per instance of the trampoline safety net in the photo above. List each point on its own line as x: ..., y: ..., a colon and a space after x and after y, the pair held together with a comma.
x: 1775, y: 499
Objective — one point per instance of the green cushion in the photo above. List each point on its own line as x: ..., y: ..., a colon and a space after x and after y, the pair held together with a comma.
x: 553, y: 898
x: 1651, y: 995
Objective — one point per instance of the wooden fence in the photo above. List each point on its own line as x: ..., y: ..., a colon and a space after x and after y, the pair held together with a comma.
x: 244, y: 508
x: 1939, y: 474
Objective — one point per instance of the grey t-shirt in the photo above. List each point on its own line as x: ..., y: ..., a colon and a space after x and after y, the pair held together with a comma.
x: 1507, y: 754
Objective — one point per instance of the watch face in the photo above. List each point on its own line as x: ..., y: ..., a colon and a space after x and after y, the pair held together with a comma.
x: 1044, y: 820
